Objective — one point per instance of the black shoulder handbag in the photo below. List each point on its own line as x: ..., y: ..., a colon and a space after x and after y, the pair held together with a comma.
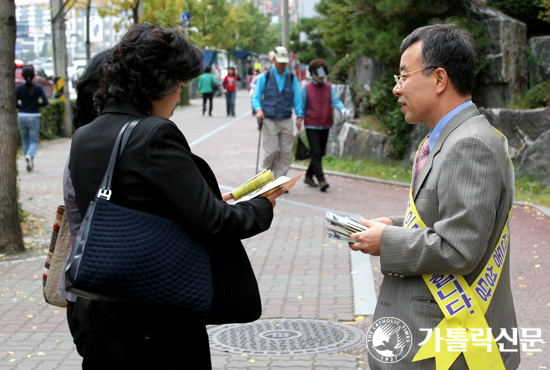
x: 122, y: 254
x: 215, y: 86
x: 302, y: 151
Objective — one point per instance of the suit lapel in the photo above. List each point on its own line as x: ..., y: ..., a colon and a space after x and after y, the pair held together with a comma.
x: 465, y: 114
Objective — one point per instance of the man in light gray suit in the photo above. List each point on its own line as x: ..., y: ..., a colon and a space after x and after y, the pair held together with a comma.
x: 462, y: 193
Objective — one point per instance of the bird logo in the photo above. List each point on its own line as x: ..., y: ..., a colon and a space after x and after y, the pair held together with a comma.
x: 389, y: 340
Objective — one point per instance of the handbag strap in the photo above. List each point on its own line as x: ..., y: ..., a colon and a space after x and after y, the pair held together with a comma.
x: 120, y: 143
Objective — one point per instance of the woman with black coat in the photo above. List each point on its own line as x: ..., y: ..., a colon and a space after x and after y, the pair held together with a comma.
x: 157, y: 173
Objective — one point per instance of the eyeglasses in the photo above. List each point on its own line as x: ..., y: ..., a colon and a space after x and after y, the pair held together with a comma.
x: 398, y: 78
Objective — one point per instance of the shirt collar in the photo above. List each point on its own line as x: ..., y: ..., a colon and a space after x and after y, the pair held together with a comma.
x: 434, y: 135
x: 277, y: 71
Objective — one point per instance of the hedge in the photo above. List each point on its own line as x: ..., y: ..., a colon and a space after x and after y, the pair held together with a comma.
x: 51, y: 119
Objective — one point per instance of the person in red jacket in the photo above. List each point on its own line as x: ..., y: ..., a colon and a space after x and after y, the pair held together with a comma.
x: 319, y: 98
x: 230, y: 90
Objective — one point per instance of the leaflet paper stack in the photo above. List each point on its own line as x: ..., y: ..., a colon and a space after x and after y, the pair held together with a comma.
x: 339, y: 227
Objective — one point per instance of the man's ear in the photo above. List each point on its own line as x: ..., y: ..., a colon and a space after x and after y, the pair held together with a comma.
x: 441, y: 80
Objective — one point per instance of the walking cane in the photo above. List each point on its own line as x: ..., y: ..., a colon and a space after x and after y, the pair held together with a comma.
x: 259, y: 141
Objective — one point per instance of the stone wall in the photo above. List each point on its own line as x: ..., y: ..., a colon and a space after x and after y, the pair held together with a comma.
x: 539, y: 62
x: 367, y: 72
x: 505, y: 77
x: 345, y: 94
x: 528, y: 133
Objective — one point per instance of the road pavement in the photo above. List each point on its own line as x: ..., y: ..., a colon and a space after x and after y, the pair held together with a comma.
x: 301, y: 273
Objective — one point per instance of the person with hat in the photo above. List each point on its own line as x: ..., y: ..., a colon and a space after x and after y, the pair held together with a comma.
x: 277, y: 92
x: 319, y: 98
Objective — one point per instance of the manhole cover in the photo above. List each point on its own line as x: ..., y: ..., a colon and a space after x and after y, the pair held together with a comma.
x: 285, y: 337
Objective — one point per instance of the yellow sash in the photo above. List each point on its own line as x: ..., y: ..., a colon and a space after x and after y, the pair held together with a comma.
x: 464, y: 306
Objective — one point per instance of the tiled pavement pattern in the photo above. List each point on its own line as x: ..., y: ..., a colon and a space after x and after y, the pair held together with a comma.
x: 301, y: 273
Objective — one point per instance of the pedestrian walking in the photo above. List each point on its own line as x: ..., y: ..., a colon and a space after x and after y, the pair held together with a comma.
x: 277, y: 93
x: 446, y: 264
x: 319, y: 98
x: 158, y: 174
x: 230, y: 90
x: 29, y: 97
x: 252, y: 85
x: 207, y: 85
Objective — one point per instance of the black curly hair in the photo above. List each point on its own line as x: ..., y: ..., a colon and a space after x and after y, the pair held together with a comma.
x: 86, y: 86
x: 146, y: 65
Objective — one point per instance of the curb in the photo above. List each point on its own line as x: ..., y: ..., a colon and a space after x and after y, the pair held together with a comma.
x: 542, y: 209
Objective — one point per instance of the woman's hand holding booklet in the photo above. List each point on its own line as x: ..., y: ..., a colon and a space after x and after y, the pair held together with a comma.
x: 262, y: 184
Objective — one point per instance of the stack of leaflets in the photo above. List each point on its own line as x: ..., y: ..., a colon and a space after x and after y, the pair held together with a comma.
x: 339, y: 227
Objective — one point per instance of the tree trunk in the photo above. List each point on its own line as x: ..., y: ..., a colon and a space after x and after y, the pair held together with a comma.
x: 60, y: 61
x: 11, y: 238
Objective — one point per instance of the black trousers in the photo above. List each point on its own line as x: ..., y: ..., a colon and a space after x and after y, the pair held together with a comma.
x: 168, y: 348
x: 205, y: 97
x: 317, y: 146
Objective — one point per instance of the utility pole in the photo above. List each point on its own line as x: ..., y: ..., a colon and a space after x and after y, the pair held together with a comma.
x: 140, y: 11
x: 88, y: 43
x: 60, y: 60
x: 284, y: 16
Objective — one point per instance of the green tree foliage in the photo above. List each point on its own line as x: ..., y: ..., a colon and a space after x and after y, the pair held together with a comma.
x: 530, y: 12
x: 313, y: 47
x: 126, y: 9
x: 381, y: 102
x: 163, y: 12
x: 545, y: 10
x: 342, y: 69
x: 537, y: 97
x: 219, y: 24
x: 375, y: 27
x: 254, y: 29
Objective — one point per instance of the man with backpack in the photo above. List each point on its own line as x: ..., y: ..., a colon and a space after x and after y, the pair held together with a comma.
x: 277, y: 92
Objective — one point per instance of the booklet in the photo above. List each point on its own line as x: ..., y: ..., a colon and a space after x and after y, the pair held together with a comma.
x: 254, y: 183
x: 340, y: 227
x: 262, y: 190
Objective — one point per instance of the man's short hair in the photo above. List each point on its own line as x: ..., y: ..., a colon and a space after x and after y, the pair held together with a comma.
x: 449, y: 47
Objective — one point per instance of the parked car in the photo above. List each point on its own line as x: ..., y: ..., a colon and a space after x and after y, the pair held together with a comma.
x: 74, y: 67
x: 48, y: 69
x: 76, y: 75
x: 40, y: 78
